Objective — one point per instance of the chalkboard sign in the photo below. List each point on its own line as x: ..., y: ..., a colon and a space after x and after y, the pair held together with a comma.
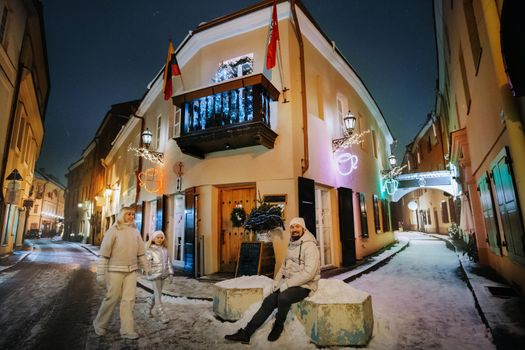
x: 256, y: 258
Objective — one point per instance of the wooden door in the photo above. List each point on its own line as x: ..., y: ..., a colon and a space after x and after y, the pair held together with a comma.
x: 231, y: 237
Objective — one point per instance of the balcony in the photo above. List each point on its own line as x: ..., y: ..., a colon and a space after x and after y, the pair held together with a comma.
x: 230, y: 115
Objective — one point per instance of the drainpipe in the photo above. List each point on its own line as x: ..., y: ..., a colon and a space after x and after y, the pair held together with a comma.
x: 297, y: 30
x: 139, y: 170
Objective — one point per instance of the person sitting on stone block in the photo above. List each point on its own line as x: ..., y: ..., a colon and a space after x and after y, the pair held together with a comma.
x: 297, y: 278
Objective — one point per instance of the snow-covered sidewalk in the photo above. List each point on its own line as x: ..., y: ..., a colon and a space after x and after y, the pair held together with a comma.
x: 421, y: 302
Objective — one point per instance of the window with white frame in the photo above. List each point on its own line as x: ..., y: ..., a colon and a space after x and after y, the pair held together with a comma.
x: 27, y: 146
x: 20, y: 136
x: 323, y: 221
x: 234, y: 68
x: 174, y: 123
x: 157, y: 132
x: 341, y: 106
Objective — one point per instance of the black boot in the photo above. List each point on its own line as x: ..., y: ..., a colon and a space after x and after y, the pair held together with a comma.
x: 240, y: 336
x: 277, y: 329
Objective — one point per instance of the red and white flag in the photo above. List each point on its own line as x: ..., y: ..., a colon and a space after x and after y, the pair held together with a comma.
x: 274, y: 36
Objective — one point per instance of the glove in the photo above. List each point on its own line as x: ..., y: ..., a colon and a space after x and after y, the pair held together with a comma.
x: 275, y: 286
x: 283, y: 287
x: 101, y: 279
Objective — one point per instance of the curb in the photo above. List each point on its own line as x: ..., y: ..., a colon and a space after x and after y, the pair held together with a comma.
x: 469, y: 285
x: 376, y: 265
x: 22, y: 257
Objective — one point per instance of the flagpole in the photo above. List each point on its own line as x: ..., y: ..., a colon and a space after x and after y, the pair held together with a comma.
x: 280, y: 63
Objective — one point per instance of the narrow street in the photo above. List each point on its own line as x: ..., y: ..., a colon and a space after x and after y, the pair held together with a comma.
x: 46, y: 300
x: 421, y: 301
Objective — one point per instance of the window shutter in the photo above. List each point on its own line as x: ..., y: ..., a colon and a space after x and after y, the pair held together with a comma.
x: 489, y: 217
x: 307, y: 202
x: 508, y: 204
x: 346, y: 226
x: 376, y: 214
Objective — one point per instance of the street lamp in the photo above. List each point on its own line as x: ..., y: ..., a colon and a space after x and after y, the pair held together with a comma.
x: 147, y: 136
x: 349, y: 138
x: 144, y: 152
x: 349, y: 122
x: 392, y: 161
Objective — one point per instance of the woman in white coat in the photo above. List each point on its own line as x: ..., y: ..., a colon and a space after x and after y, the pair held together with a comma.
x: 121, y: 252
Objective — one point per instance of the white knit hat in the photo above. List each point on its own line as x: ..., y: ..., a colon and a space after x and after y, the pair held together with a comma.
x: 155, y: 234
x: 298, y: 221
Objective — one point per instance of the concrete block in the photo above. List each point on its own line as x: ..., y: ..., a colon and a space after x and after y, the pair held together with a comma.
x: 232, y: 298
x: 336, y: 315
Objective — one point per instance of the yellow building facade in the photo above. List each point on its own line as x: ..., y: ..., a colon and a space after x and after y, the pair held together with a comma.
x: 485, y: 117
x: 278, y: 148
x: 24, y: 88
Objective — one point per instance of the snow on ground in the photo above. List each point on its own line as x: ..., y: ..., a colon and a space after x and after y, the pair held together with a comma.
x: 418, y: 298
x: 420, y: 301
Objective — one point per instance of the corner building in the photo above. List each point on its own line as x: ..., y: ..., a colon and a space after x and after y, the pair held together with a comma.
x: 234, y: 132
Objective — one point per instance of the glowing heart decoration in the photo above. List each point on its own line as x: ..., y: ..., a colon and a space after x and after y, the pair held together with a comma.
x: 151, y: 180
x: 346, y: 163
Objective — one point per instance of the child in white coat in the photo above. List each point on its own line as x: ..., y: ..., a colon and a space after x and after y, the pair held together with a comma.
x: 160, y: 269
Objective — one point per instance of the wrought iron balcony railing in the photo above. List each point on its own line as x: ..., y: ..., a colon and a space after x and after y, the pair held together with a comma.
x: 225, y: 116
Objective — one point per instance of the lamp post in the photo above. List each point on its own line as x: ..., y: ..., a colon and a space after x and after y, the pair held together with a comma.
x: 392, y: 161
x: 13, y: 197
x: 349, y: 126
x: 147, y: 137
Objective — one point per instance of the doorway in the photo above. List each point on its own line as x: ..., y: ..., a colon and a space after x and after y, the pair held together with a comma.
x: 230, y: 236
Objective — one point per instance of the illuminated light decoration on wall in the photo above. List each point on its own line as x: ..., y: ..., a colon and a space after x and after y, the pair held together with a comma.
x: 154, y: 157
x: 151, y: 180
x: 390, y: 186
x: 52, y: 215
x: 346, y: 163
x: 389, y: 174
x: 348, y: 141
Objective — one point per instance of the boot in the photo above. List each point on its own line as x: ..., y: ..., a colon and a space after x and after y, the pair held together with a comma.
x: 162, y: 315
x: 277, y: 329
x: 240, y: 336
x: 150, y: 302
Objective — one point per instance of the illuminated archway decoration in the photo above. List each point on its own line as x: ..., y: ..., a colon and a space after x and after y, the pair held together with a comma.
x: 346, y: 163
x: 390, y: 186
x: 151, y: 180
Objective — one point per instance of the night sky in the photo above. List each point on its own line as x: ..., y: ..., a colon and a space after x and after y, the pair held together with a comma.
x: 104, y: 52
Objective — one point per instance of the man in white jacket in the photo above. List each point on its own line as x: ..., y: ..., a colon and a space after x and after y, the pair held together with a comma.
x: 297, y: 278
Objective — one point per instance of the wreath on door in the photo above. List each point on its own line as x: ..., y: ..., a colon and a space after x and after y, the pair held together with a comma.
x: 238, y: 216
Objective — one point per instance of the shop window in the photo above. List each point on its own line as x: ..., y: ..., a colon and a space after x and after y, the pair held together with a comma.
x: 429, y: 217
x: 508, y: 204
x: 363, y: 216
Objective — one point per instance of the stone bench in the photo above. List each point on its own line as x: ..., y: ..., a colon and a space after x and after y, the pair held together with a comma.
x: 233, y: 297
x: 336, y: 315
